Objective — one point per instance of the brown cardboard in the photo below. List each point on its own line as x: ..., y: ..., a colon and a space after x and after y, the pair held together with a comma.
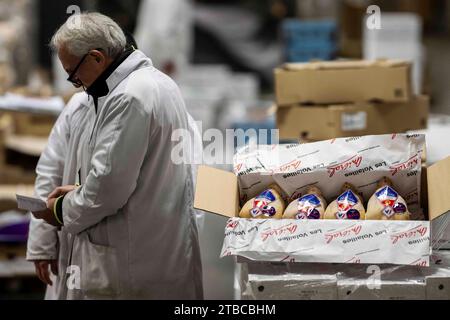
x: 343, y: 82
x: 351, y: 14
x: 30, y: 145
x: 438, y: 176
x: 9, y: 252
x: 389, y: 290
x: 33, y: 124
x: 312, y: 123
x: 292, y: 287
x: 216, y: 191
x: 11, y: 175
x: 6, y: 127
x: 438, y: 288
x: 8, y: 195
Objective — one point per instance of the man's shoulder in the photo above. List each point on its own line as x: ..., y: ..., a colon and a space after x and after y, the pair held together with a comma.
x: 77, y: 101
x: 148, y: 84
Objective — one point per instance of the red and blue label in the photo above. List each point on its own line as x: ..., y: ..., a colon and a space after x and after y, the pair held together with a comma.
x: 388, y: 197
x: 346, y: 203
x: 307, y: 207
x: 261, y: 204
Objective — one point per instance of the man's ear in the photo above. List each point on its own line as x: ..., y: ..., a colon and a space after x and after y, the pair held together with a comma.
x: 98, y: 56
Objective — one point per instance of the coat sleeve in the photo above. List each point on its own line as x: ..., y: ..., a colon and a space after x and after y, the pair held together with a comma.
x: 42, y: 237
x: 119, y: 151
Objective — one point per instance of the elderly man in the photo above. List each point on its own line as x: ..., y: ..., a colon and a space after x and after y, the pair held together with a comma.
x: 128, y: 228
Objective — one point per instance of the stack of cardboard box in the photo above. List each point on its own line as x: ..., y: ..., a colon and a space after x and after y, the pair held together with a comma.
x: 325, y: 100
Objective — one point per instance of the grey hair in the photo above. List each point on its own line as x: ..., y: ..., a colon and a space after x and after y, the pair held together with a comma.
x: 90, y: 30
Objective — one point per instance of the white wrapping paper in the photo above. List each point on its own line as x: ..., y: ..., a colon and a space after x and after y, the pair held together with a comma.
x: 362, y: 161
x: 332, y: 241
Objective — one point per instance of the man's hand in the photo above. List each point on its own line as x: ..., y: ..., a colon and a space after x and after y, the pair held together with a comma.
x: 47, y: 214
x: 42, y: 272
x: 60, y: 191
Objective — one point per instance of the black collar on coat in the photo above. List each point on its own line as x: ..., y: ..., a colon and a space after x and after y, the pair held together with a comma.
x: 99, y: 88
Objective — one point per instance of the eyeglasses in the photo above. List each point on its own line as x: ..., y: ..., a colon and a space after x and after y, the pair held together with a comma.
x: 76, y: 82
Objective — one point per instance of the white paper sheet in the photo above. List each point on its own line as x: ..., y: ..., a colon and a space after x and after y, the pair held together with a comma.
x: 30, y: 203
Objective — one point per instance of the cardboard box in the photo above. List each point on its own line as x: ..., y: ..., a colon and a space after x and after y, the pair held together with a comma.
x: 441, y: 233
x: 343, y: 82
x: 292, y: 287
x: 287, y: 281
x: 12, y: 175
x: 312, y: 123
x: 20, y: 156
x: 8, y: 195
x: 438, y: 288
x: 12, y: 251
x: 351, y: 14
x: 350, y: 47
x: 29, y: 145
x: 226, y: 202
x: 437, y: 276
x: 33, y: 124
x: 278, y: 280
x: 388, y: 290
x: 6, y: 128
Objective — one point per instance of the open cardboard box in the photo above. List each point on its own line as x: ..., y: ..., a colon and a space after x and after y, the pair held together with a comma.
x: 343, y: 81
x: 217, y: 192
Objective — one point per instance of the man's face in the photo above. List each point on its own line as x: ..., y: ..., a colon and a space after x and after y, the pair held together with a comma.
x: 90, y: 66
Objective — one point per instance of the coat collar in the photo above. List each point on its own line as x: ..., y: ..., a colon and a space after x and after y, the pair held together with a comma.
x: 129, y: 61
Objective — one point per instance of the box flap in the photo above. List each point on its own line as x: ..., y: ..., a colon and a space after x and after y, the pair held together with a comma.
x: 327, y: 65
x: 216, y: 192
x: 438, y: 176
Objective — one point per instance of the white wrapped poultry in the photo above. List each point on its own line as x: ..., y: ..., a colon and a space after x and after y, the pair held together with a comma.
x: 348, y: 205
x: 268, y: 204
x: 312, y: 205
x: 386, y: 203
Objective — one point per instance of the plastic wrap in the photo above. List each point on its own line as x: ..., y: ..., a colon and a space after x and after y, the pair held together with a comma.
x: 312, y: 281
x: 332, y: 241
x: 441, y: 232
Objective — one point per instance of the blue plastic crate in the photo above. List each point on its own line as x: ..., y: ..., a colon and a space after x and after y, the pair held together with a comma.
x: 315, y: 31
x: 305, y: 46
x: 308, y: 55
x: 268, y: 124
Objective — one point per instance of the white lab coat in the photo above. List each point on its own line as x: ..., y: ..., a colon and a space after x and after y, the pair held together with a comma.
x: 130, y: 230
x: 54, y: 163
x: 164, y: 32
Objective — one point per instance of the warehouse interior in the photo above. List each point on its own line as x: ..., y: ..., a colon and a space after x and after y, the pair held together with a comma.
x: 224, y: 56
